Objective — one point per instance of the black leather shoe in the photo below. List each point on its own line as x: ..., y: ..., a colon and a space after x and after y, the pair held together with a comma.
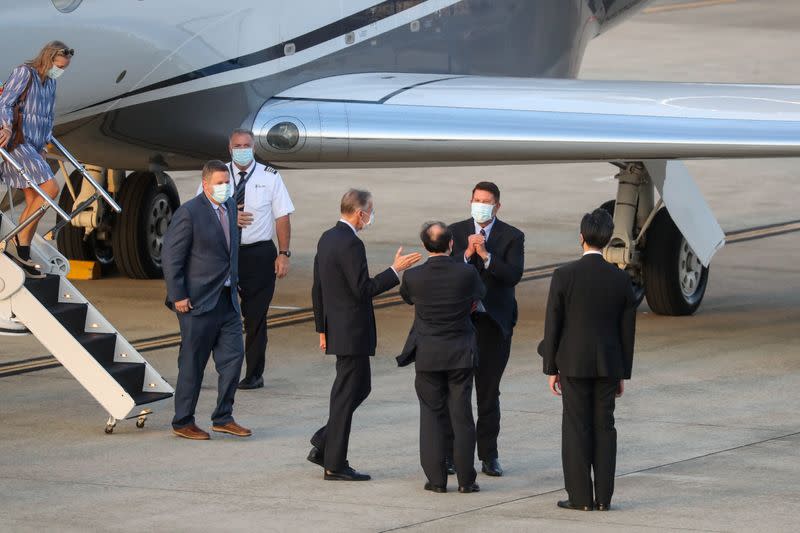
x: 316, y: 456
x: 469, y: 488
x: 492, y: 468
x: 435, y: 488
x: 252, y: 383
x: 602, y: 506
x: 348, y: 474
x: 566, y: 504
x: 449, y: 466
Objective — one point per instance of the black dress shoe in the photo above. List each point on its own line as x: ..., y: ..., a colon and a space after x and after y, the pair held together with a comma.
x: 252, y: 383
x: 449, y: 466
x: 566, y: 504
x: 348, y: 474
x: 435, y: 488
x: 492, y: 468
x: 602, y: 506
x: 316, y: 456
x: 469, y: 488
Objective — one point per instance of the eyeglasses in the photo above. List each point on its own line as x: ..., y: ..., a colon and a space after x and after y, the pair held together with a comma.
x: 66, y: 52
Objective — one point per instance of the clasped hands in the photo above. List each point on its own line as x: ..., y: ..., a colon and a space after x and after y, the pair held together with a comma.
x: 476, y: 244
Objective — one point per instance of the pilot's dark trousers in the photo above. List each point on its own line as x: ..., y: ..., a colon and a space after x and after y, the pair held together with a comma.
x: 218, y: 331
x: 588, y: 438
x: 256, y: 288
x: 350, y: 388
x: 440, y: 394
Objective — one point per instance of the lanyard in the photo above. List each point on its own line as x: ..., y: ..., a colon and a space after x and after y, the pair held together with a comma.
x: 243, y: 181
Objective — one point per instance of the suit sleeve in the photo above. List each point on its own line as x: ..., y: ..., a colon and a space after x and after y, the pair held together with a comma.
x: 509, y: 269
x: 12, y: 90
x: 316, y: 299
x: 177, y: 243
x: 628, y: 329
x: 356, y: 272
x: 553, y: 325
x: 405, y: 293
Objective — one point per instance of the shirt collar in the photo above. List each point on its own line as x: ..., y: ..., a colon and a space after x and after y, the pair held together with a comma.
x: 350, y: 225
x: 213, y: 205
x: 593, y: 252
x: 236, y: 170
x: 488, y: 227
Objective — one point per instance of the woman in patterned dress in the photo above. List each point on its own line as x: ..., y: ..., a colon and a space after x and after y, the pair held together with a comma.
x: 37, y: 116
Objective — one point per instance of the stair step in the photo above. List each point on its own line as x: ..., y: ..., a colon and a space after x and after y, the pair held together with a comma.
x: 45, y: 289
x: 143, y: 398
x: 100, y: 345
x: 71, y: 316
x: 129, y: 375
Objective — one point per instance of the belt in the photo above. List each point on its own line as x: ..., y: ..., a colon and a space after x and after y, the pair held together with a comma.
x: 254, y: 244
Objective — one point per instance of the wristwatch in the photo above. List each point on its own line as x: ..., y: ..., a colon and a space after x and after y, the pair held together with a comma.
x: 287, y: 253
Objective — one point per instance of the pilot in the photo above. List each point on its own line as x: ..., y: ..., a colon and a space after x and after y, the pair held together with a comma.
x: 264, y: 210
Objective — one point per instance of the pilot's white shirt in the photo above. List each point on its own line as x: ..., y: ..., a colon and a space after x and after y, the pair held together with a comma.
x: 265, y: 196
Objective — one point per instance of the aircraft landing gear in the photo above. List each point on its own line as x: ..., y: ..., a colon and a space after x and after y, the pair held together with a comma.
x: 651, y: 248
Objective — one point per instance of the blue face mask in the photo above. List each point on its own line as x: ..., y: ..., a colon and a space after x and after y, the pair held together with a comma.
x: 55, y: 72
x: 242, y: 156
x: 482, y: 212
x: 220, y: 192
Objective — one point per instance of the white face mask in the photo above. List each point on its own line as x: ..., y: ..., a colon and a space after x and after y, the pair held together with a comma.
x: 482, y: 212
x: 242, y: 156
x: 55, y: 72
x: 370, y: 221
x: 220, y: 192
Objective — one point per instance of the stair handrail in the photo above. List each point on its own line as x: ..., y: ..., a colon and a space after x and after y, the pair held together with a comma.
x: 100, y: 190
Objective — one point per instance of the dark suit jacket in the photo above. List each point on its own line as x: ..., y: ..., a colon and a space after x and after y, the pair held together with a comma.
x: 342, y: 292
x: 442, y: 291
x: 590, y: 322
x: 507, y: 246
x: 195, y: 259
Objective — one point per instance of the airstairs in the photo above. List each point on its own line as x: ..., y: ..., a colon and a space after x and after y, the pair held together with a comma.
x: 68, y: 325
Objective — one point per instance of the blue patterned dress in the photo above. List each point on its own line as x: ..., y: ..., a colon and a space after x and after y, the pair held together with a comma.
x: 37, y: 125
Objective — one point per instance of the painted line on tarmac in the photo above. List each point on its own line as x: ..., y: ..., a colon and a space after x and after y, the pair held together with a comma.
x: 686, y: 5
x: 304, y: 315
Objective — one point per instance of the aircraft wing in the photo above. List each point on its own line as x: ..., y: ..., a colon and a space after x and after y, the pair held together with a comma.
x: 407, y: 119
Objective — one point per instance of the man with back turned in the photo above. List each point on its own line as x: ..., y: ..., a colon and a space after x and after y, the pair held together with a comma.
x: 588, y: 352
x: 342, y: 295
x: 442, y: 345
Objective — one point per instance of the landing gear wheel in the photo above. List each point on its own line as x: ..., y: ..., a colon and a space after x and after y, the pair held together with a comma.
x: 147, y: 209
x: 675, y: 279
x: 110, y: 425
x: 140, y: 421
x: 72, y: 240
x: 638, y: 287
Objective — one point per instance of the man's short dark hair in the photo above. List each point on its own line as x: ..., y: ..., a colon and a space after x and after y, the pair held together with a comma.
x: 436, y: 242
x: 488, y: 186
x: 597, y: 228
x: 215, y: 165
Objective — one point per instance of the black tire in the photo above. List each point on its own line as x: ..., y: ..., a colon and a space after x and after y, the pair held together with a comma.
x: 664, y: 268
x: 638, y: 288
x: 71, y: 240
x: 147, y: 209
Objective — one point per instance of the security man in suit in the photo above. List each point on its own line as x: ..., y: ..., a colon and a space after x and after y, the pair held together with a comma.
x: 588, y: 351
x: 342, y: 295
x: 442, y: 344
x: 497, y: 251
x: 200, y: 260
x: 264, y: 209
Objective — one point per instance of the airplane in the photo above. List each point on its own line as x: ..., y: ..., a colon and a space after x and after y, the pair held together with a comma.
x: 155, y: 86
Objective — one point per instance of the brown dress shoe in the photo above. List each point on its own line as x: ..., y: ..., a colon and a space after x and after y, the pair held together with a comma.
x: 233, y: 428
x: 191, y: 432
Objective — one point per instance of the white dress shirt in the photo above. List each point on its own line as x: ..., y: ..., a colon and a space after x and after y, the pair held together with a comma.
x: 598, y: 252
x: 265, y: 196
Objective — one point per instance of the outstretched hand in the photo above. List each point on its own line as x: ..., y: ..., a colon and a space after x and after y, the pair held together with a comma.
x: 403, y: 262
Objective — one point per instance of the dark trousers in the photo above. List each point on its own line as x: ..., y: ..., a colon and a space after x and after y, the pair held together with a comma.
x: 350, y: 388
x: 440, y: 394
x: 588, y: 438
x: 218, y: 331
x: 256, y: 288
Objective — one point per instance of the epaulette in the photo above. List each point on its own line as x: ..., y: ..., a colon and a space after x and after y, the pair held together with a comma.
x: 270, y: 169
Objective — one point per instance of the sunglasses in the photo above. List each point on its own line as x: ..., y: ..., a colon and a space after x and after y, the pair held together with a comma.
x: 66, y: 52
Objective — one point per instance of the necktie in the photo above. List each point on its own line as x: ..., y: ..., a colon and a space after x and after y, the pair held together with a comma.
x: 483, y: 233
x: 239, y: 194
x: 226, y: 229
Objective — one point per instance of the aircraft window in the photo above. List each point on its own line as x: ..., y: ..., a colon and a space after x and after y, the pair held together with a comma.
x: 283, y: 136
x: 66, y: 6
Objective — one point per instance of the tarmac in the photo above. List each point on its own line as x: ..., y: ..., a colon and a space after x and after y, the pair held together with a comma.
x: 709, y: 426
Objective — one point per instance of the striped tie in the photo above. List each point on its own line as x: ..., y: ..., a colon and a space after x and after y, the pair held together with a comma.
x: 239, y: 193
